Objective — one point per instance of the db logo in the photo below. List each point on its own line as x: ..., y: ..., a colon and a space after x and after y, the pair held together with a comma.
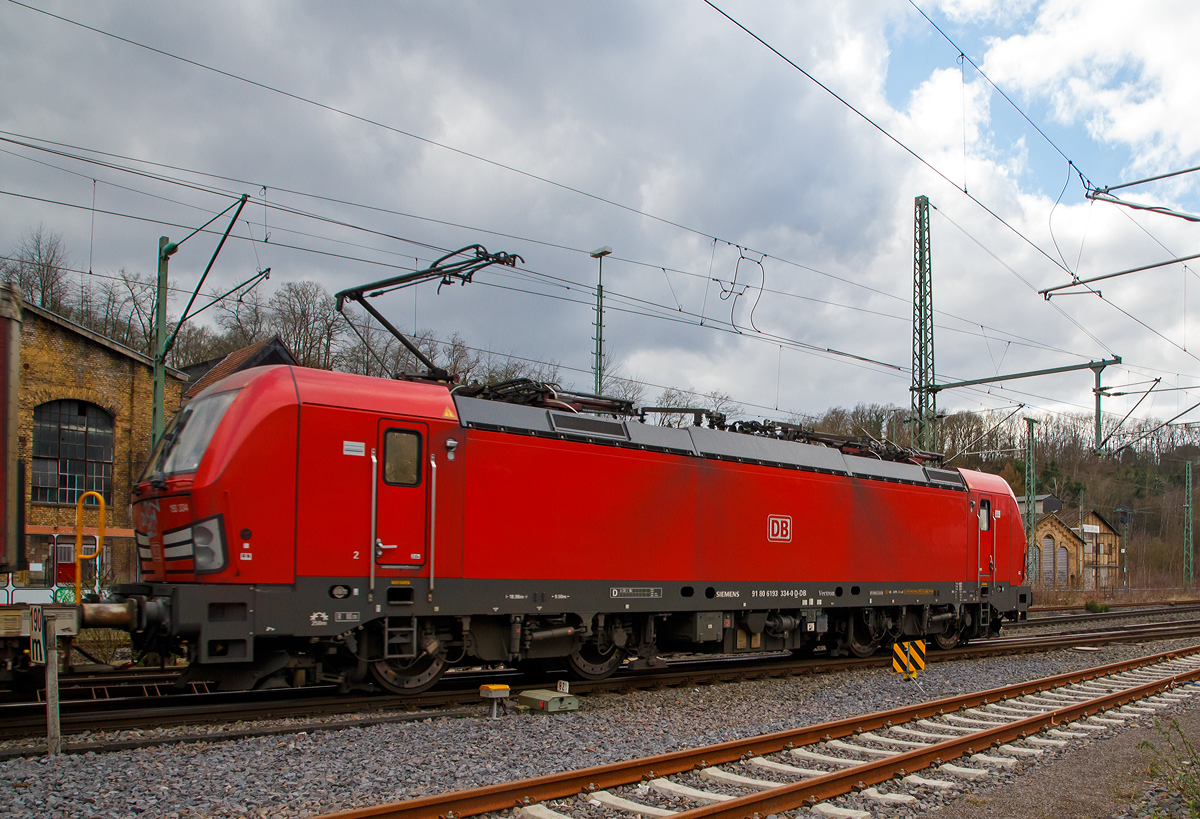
x: 779, y: 528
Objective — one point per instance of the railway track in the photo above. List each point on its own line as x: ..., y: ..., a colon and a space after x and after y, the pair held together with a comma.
x: 1166, y: 604
x: 914, y: 750
x: 118, y: 684
x: 462, y: 690
x: 1056, y: 619
x: 94, y: 684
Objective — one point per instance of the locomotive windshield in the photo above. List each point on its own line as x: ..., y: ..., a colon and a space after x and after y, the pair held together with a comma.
x: 187, y: 437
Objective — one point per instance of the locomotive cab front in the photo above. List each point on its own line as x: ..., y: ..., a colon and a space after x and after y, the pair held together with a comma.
x: 209, y: 516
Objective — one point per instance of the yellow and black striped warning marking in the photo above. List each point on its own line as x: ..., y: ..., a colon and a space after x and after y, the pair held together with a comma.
x: 916, y: 653
x: 908, y: 658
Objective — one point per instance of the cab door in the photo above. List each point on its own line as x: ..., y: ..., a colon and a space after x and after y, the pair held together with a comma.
x: 402, y: 495
x: 987, y: 539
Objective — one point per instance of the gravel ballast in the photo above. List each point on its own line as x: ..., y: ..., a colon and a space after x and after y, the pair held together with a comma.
x: 324, y: 771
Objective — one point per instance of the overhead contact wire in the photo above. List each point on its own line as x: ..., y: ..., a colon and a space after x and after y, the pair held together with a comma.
x: 886, y: 133
x: 358, y: 117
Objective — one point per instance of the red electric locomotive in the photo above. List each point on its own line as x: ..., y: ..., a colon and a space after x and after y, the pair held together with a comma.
x: 299, y: 526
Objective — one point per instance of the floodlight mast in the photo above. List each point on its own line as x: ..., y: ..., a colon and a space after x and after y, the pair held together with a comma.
x: 476, y: 258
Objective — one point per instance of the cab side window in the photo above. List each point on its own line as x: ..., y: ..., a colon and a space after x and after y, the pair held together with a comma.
x: 401, y: 457
x: 985, y: 515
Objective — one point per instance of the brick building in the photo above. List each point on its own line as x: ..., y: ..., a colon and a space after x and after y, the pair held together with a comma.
x: 1086, y: 555
x: 1101, y: 553
x: 1056, y: 555
x: 84, y: 424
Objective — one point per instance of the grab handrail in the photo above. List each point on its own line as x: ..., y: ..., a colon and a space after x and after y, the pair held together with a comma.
x: 79, y: 555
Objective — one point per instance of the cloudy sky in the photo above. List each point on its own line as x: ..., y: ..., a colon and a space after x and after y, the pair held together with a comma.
x: 762, y: 231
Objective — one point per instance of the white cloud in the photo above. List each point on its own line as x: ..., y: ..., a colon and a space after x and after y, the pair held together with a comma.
x: 1123, y: 70
x: 657, y: 106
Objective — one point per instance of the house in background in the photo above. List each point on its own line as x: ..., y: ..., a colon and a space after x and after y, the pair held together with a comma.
x: 260, y: 354
x: 1101, y: 553
x: 1056, y: 555
x: 1042, y: 504
x: 1086, y: 555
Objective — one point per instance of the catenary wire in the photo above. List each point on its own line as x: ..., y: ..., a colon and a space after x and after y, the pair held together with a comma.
x: 885, y: 133
x: 444, y: 250
x: 560, y: 185
x: 226, y: 192
x: 812, y: 349
x: 373, y: 262
x: 999, y: 90
x: 514, y: 169
x: 363, y: 119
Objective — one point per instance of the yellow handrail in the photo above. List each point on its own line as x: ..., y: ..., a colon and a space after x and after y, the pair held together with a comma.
x: 79, y: 555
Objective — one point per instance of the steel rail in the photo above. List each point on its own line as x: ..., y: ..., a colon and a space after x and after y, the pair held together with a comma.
x: 1102, y: 615
x: 507, y: 795
x: 1123, y: 604
x: 837, y: 783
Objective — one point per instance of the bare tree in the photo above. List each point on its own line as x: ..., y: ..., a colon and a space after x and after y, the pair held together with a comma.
x: 306, y: 319
x: 40, y: 269
x: 368, y: 349
x: 714, y: 401
x: 139, y: 321
x: 121, y: 309
x: 195, y: 343
x: 671, y: 397
x: 245, y: 319
x: 459, y: 359
x: 616, y: 384
x: 723, y: 403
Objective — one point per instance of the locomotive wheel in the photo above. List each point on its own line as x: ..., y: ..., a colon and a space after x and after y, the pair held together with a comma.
x: 587, y: 663
x: 410, y: 676
x: 854, y: 642
x: 948, y: 639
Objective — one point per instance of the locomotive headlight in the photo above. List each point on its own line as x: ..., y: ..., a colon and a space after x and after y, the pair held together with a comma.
x: 209, y: 543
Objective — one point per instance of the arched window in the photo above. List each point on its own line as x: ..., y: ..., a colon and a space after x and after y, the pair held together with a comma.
x: 72, y: 452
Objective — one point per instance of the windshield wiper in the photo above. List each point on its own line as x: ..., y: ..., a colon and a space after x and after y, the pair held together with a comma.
x: 157, y: 478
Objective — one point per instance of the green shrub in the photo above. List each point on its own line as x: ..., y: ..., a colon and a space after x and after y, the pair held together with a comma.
x: 1095, y: 606
x: 1177, y: 762
x: 104, y: 645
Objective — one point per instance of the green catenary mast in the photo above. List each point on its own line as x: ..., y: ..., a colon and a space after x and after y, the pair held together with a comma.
x: 924, y: 397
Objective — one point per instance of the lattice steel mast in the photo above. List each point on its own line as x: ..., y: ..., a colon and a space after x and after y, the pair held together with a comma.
x: 924, y: 397
x: 1030, y: 497
x: 1188, y: 557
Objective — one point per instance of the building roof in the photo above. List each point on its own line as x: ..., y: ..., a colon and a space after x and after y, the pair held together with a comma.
x: 268, y: 351
x: 90, y: 335
x: 1049, y: 520
x: 1074, y: 517
x: 1102, y: 520
x: 1041, y: 503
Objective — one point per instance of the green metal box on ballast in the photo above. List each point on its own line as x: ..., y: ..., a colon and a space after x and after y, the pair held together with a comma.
x: 546, y: 701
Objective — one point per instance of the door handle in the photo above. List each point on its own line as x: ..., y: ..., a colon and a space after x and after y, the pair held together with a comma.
x: 380, y: 546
